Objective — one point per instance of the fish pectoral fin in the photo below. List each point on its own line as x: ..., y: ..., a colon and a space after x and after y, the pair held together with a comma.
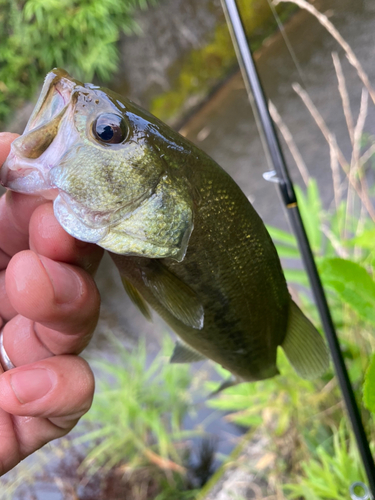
x: 172, y: 293
x: 136, y: 298
x: 304, y: 346
x: 183, y: 353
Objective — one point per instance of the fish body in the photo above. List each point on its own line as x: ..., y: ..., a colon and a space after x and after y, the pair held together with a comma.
x: 184, y: 237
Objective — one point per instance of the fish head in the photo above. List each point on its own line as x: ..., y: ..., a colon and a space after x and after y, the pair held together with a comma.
x: 103, y: 161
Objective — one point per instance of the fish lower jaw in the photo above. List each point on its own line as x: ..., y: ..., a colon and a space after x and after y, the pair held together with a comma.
x: 9, y: 176
x: 73, y: 223
x: 27, y: 181
x: 23, y: 176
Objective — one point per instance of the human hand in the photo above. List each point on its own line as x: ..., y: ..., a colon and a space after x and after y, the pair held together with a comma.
x: 49, y: 304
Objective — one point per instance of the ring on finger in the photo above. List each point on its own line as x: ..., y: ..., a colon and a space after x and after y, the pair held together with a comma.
x: 5, y: 361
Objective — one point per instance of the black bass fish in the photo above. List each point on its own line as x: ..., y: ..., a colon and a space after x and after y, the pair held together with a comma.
x: 184, y: 237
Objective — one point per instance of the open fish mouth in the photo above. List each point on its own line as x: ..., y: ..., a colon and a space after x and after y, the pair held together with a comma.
x: 28, y: 166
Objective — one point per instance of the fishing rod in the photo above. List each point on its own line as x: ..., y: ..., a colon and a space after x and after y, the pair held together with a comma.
x: 280, y: 175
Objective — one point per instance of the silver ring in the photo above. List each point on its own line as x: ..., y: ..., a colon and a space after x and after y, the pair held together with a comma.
x: 4, y: 358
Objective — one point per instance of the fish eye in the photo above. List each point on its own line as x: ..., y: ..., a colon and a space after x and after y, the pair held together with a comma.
x: 110, y: 128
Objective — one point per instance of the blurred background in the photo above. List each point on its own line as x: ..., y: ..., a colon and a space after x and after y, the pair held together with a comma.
x: 153, y: 431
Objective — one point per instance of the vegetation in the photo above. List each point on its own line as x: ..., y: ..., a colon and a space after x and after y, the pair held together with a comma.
x: 137, y: 412
x: 79, y: 35
x: 331, y: 474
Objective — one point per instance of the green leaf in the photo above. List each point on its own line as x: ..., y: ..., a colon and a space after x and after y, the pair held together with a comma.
x: 353, y: 285
x: 364, y: 240
x: 286, y: 252
x: 310, y: 207
x: 286, y: 243
x: 369, y: 386
x: 297, y: 276
x: 282, y: 236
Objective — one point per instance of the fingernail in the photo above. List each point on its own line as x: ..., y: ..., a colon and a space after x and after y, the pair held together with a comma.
x: 66, y: 284
x: 30, y: 385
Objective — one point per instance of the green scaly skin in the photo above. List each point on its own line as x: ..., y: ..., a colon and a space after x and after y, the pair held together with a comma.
x: 232, y: 266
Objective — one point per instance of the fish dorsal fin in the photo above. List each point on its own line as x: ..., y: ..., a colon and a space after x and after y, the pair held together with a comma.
x: 183, y: 353
x: 304, y: 346
x: 136, y: 298
x: 172, y: 293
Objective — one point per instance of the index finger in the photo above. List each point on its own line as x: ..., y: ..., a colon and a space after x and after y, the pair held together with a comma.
x: 6, y: 138
x: 15, y: 212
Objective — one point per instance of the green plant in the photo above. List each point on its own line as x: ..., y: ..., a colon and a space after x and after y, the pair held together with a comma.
x: 277, y: 404
x: 79, y: 35
x: 342, y: 234
x: 137, y: 412
x: 175, y: 491
x: 342, y: 239
x: 332, y: 472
